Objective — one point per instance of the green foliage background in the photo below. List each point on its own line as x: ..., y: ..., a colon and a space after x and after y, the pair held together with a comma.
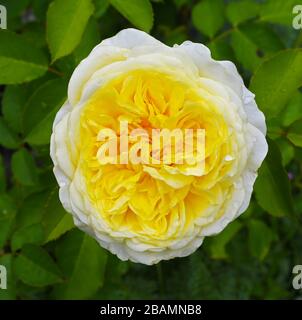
x: 46, y: 257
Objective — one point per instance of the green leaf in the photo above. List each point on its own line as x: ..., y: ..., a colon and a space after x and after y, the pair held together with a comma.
x: 15, y: 7
x: 278, y: 11
x: 33, y: 234
x: 2, y: 175
x: 253, y: 42
x: 7, y: 216
x: 101, y: 7
x: 56, y: 220
x: 287, y: 150
x: 208, y: 16
x: 20, y: 61
x: 8, y: 138
x: 91, y: 38
x: 40, y: 110
x: 240, y: 11
x: 32, y: 209
x: 10, y: 292
x: 35, y: 267
x: 272, y: 187
x: 34, y: 33
x: 221, y: 49
x: 276, y: 80
x: 219, y: 243
x: 24, y: 169
x: 14, y: 99
x: 294, y: 133
x: 83, y: 262
x: 260, y: 238
x: 66, y: 22
x: 293, y: 110
x: 138, y: 12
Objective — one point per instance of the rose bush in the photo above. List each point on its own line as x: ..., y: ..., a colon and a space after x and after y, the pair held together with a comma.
x: 143, y: 212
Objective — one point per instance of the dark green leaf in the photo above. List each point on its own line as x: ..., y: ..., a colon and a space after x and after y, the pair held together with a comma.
x: 100, y: 7
x: 83, y: 262
x: 7, y: 215
x: 40, y: 110
x: 218, y: 243
x: 254, y: 42
x: 272, y: 186
x: 20, y: 61
x: 10, y: 292
x: 24, y: 169
x: 14, y: 99
x: 56, y: 220
x: 35, y: 267
x: 91, y: 38
x: 2, y: 175
x: 260, y: 238
x: 8, y: 138
x: 33, y: 234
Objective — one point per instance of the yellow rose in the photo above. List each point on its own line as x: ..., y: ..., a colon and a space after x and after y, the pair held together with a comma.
x: 145, y: 211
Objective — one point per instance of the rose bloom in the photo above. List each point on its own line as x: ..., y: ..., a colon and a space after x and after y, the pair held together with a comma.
x: 150, y: 212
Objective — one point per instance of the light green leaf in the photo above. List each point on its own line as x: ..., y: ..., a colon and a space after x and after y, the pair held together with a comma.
x: 219, y: 243
x: 276, y: 80
x: 278, y: 11
x: 56, y: 220
x: 138, y: 12
x: 208, y: 16
x: 20, y: 61
x: 272, y: 187
x: 240, y: 11
x: 8, y: 138
x: 33, y: 234
x: 40, y: 110
x: 7, y: 216
x: 83, y: 262
x: 294, y: 133
x: 35, y: 267
x: 66, y: 22
x: 24, y: 169
x: 260, y: 238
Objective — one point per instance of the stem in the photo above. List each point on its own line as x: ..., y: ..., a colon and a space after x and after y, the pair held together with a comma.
x: 58, y: 73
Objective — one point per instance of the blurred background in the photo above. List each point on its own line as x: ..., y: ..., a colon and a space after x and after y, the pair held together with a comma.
x: 45, y: 256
